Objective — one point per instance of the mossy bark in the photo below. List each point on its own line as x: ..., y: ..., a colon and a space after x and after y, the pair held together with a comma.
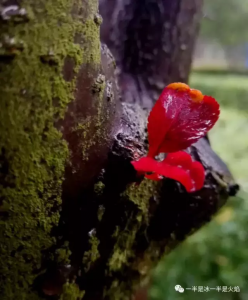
x: 74, y: 223
x: 50, y: 59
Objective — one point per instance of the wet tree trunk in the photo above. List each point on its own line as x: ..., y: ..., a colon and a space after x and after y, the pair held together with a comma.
x: 73, y: 223
x: 152, y: 42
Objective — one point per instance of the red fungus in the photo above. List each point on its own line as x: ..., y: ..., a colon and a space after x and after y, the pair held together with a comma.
x: 178, y: 166
x: 179, y: 118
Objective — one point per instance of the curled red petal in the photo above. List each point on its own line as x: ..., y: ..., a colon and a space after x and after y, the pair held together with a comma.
x: 180, y: 158
x: 148, y: 164
x: 195, y: 169
x: 154, y: 176
x: 178, y: 166
x: 177, y: 174
x: 179, y: 118
x: 197, y: 174
x: 145, y: 164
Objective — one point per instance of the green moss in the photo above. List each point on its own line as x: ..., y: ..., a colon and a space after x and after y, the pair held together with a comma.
x: 91, y: 33
x: 124, y: 255
x: 92, y: 254
x: 117, y: 291
x: 32, y: 151
x: 99, y: 187
x: 71, y: 291
x: 62, y: 255
x: 83, y: 130
x: 124, y: 289
x: 100, y: 212
x: 125, y: 239
x: 140, y: 195
x: 98, y: 19
x: 123, y: 247
x: 98, y: 89
x: 92, y: 130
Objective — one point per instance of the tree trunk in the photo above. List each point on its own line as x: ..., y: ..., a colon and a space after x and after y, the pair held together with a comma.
x: 152, y: 41
x: 73, y: 221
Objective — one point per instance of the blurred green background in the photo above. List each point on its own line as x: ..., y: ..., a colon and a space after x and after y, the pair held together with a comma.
x: 217, y: 255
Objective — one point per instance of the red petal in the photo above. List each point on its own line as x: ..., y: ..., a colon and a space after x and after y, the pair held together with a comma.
x: 154, y: 176
x: 178, y: 174
x: 179, y: 158
x: 179, y: 118
x: 178, y: 166
x: 145, y: 164
x: 197, y: 174
x: 195, y: 169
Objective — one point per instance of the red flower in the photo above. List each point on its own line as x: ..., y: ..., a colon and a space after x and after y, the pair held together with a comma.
x: 179, y: 118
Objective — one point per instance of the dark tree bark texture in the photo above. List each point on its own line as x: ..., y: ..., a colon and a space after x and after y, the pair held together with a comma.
x: 74, y: 221
x: 152, y: 41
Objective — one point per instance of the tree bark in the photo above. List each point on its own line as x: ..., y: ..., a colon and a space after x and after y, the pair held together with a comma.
x: 152, y: 42
x: 74, y: 222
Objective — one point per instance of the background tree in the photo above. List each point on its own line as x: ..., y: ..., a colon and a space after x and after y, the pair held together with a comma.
x: 73, y: 224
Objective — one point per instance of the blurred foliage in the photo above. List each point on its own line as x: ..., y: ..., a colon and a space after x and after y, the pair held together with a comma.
x: 217, y: 254
x: 224, y: 20
x: 217, y: 70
